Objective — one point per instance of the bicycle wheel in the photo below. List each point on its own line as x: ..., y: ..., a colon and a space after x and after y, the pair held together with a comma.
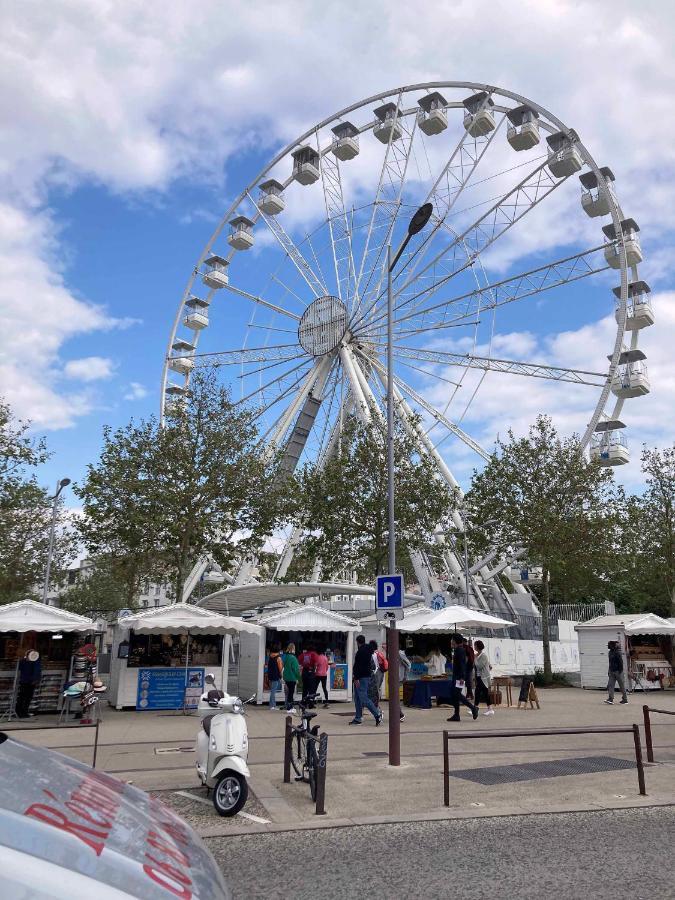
x: 298, y: 753
x: 311, y: 768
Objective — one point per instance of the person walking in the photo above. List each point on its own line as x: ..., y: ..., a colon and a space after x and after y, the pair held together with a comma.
x: 404, y: 667
x: 361, y: 673
x: 308, y: 666
x: 275, y: 667
x: 321, y: 674
x: 459, y: 678
x: 615, y: 673
x: 470, y: 671
x: 381, y: 666
x: 30, y: 673
x: 291, y: 675
x: 483, y: 678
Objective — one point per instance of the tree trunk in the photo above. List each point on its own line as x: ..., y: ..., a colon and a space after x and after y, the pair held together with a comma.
x: 548, y: 672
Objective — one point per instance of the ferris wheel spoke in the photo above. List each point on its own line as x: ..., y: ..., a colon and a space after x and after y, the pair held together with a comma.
x: 433, y: 412
x: 340, y: 231
x: 269, y: 384
x: 281, y: 352
x: 506, y: 366
x: 500, y: 218
x: 387, y: 202
x: 314, y: 282
x: 250, y: 372
x: 261, y: 302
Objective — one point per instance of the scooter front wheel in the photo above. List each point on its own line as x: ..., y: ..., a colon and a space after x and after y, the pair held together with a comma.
x: 230, y: 793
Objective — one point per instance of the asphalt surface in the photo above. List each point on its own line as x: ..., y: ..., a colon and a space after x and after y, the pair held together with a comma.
x: 576, y: 856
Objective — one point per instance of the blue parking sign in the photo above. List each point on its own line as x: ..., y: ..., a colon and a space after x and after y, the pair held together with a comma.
x: 389, y: 596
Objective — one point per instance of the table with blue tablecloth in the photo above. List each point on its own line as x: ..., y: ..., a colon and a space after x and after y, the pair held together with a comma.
x: 420, y: 693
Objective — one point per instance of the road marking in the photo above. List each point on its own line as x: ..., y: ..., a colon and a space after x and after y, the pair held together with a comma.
x: 258, y: 819
x: 193, y: 797
x: 477, y: 804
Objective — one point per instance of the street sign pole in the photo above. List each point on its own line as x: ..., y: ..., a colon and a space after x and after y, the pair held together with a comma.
x: 392, y: 632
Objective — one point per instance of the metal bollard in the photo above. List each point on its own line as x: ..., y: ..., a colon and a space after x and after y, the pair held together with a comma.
x: 638, y: 760
x: 446, y: 770
x: 648, y: 734
x: 321, y: 776
x: 287, y: 749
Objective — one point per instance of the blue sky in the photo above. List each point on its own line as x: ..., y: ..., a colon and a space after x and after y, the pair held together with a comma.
x: 120, y: 161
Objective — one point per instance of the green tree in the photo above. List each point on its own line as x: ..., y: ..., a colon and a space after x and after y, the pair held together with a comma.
x: 341, y: 506
x: 659, y: 519
x: 101, y: 591
x: 26, y: 513
x: 163, y: 495
x: 547, y: 498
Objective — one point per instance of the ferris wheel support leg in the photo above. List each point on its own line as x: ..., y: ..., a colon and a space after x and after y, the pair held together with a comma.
x: 362, y: 407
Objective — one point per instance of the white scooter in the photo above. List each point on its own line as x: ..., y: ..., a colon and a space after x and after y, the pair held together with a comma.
x: 222, y: 748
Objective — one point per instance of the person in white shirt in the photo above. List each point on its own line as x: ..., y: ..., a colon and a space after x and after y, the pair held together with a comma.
x: 483, y: 678
x: 435, y: 663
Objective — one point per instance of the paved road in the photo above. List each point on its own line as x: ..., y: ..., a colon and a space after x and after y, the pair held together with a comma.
x: 577, y: 856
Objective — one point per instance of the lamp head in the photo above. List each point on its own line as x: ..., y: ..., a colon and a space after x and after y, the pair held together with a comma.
x: 420, y: 219
x: 64, y: 482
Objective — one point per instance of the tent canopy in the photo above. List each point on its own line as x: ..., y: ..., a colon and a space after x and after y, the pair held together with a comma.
x: 632, y: 623
x: 181, y: 618
x: 309, y: 618
x: 250, y: 596
x: 28, y: 615
x: 449, y: 619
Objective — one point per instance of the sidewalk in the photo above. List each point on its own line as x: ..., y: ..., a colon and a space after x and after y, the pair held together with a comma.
x: 361, y: 786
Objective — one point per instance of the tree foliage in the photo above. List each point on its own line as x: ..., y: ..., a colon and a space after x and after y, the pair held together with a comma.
x: 26, y: 514
x: 341, y: 505
x: 548, y: 499
x: 162, y: 495
x: 101, y: 591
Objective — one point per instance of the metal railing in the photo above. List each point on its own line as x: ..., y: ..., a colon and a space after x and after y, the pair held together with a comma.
x: 646, y: 710
x: 597, y: 729
x: 95, y: 725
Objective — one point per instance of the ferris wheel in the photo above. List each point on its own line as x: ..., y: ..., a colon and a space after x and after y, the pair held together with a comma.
x: 289, y: 295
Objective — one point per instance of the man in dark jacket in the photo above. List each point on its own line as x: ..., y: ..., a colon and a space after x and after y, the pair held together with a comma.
x: 362, y: 673
x: 615, y: 672
x: 30, y: 673
x: 459, y: 672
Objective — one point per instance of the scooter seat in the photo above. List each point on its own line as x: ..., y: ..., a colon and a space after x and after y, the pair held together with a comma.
x: 309, y: 715
x: 206, y: 723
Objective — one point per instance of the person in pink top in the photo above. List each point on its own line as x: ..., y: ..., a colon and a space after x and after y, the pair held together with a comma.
x: 321, y: 671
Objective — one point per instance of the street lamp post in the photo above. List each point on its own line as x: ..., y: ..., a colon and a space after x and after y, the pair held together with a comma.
x: 59, y: 487
x: 417, y: 223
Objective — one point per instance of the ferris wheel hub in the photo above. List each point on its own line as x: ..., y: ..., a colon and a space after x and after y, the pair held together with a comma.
x: 323, y: 325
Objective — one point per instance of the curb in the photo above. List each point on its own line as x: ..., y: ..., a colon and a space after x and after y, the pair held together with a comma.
x: 440, y: 815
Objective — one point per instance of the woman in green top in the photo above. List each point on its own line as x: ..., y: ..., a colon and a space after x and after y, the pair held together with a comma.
x: 291, y: 675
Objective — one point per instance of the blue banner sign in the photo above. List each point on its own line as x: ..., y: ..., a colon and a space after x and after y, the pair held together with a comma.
x: 166, y: 689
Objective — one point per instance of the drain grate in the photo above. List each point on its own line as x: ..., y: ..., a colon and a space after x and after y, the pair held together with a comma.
x: 554, y: 768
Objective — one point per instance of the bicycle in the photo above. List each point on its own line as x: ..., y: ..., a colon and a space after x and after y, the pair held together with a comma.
x: 304, y: 737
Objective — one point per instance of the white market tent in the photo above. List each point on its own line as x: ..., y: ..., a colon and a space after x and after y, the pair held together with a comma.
x: 595, y: 634
x: 179, y: 618
x: 183, y: 618
x: 309, y: 618
x: 449, y: 619
x: 28, y: 615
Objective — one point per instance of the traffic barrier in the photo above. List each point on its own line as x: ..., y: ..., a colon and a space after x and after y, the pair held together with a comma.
x: 52, y: 727
x: 646, y: 710
x: 598, y: 729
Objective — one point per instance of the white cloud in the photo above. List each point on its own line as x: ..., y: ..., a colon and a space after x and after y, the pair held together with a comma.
x: 131, y: 97
x: 136, y: 391
x: 89, y: 368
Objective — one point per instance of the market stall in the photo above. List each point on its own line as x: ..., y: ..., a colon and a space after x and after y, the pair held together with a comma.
x: 160, y: 657
x: 646, y: 644
x: 55, y: 635
x: 304, y: 626
x: 425, y: 634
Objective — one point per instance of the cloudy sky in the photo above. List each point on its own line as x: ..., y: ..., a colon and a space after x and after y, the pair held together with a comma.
x: 128, y: 129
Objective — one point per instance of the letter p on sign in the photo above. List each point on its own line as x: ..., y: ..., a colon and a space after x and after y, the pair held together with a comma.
x: 389, y: 597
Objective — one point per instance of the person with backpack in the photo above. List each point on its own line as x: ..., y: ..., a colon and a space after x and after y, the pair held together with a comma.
x: 381, y: 666
x: 275, y: 667
x: 291, y: 676
x: 615, y: 673
x: 459, y: 678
